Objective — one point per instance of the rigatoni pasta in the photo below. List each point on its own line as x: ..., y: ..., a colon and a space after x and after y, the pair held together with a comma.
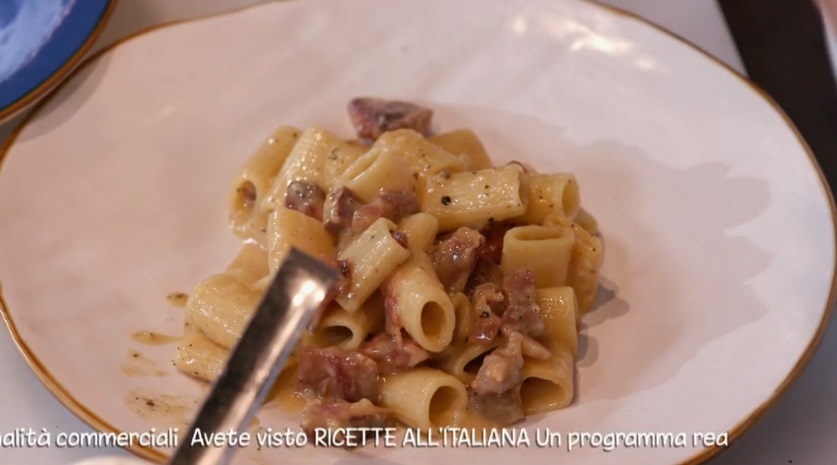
x: 421, y: 230
x: 420, y: 303
x: 462, y: 283
x: 377, y: 170
x: 547, y: 384
x: 555, y: 193
x: 252, y: 185
x: 369, y: 261
x: 474, y: 198
x: 466, y: 145
x: 288, y: 228
x: 425, y: 397
x: 546, y: 250
x: 344, y: 329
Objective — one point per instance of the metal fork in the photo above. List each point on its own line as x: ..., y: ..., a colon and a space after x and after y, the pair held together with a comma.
x: 300, y: 287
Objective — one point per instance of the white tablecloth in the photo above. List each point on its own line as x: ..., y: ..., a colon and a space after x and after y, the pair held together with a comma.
x: 798, y: 430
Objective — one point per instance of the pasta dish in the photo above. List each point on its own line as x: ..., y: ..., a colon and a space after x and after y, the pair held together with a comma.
x: 462, y: 283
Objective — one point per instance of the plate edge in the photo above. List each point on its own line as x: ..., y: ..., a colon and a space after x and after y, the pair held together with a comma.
x: 744, y: 425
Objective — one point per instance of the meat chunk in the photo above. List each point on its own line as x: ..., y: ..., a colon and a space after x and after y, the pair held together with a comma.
x: 336, y: 375
x: 305, y: 197
x: 392, y: 315
x: 487, y: 303
x: 372, y: 117
x: 485, y: 271
x: 401, y: 238
x: 489, y: 255
x: 454, y: 258
x: 393, y: 205
x: 528, y: 346
x: 505, y: 408
x: 501, y: 369
x: 342, y: 414
x: 394, y: 355
x: 522, y: 311
x: 494, y: 234
x: 247, y: 194
x: 339, y: 208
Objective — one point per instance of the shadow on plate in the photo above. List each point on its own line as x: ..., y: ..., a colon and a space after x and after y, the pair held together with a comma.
x: 646, y: 325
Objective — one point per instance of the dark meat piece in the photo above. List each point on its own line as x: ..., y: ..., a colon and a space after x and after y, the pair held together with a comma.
x: 247, y: 193
x: 392, y: 317
x: 339, y: 207
x: 392, y: 355
x: 305, y: 197
x: 400, y: 237
x: 486, y: 271
x: 487, y: 303
x: 528, y: 346
x: 505, y: 408
x: 341, y: 414
x: 501, y: 369
x: 494, y: 234
x: 337, y: 375
x: 454, y: 258
x: 372, y: 117
x: 389, y: 204
x: 522, y: 311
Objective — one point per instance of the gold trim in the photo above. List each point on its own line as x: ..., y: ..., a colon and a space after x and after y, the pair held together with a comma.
x: 59, y: 391
x: 735, y: 433
x: 66, y: 70
x: 744, y: 425
x: 38, y: 368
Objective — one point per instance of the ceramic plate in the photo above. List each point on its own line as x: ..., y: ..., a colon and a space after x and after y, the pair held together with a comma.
x: 719, y: 268
x: 41, y: 41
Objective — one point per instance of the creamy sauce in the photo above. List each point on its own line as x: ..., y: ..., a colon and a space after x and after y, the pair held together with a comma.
x: 286, y: 393
x: 178, y: 299
x: 164, y: 410
x: 287, y: 396
x: 469, y: 419
x: 136, y: 364
x: 153, y: 339
x: 255, y: 424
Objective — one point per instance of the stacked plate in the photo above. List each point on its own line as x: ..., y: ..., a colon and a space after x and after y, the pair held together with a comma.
x: 41, y: 41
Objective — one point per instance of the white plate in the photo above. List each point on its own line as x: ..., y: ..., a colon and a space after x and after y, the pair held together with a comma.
x: 720, y: 232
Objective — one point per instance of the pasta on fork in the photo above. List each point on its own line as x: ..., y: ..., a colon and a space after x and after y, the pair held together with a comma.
x: 462, y: 285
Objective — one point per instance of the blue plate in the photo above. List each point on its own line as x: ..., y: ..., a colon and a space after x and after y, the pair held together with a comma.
x: 40, y: 41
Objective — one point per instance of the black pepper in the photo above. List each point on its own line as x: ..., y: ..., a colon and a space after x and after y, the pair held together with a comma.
x: 446, y: 200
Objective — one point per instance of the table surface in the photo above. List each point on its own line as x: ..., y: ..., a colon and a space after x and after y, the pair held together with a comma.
x: 797, y: 430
